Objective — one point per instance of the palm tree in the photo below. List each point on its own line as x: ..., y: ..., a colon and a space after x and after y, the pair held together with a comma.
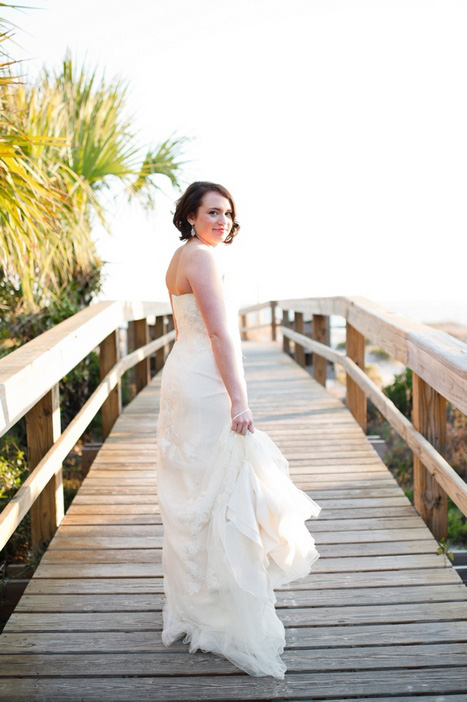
x: 30, y: 203
x: 77, y: 143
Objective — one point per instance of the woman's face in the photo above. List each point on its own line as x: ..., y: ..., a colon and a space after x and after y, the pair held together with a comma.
x: 213, y: 221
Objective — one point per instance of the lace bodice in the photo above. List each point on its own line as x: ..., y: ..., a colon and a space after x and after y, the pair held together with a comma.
x: 191, y: 325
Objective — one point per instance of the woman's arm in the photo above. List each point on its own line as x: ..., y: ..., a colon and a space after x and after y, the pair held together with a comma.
x: 205, y: 280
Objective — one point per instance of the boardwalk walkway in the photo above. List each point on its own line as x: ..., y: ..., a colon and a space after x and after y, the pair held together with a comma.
x: 380, y: 617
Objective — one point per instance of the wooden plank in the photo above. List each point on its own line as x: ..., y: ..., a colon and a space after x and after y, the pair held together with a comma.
x: 151, y: 554
x: 318, y: 525
x: 360, y: 658
x: 106, y: 602
x: 235, y: 687
x: 317, y: 637
x: 319, y: 581
x: 150, y: 620
x: 153, y: 516
x: 386, y: 539
x: 104, y: 504
x: 154, y: 568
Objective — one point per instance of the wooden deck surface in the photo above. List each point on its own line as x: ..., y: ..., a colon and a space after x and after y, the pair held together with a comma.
x: 380, y: 617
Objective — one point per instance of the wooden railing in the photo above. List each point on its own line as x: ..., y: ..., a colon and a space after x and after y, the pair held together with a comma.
x: 29, y: 379
x: 439, y: 371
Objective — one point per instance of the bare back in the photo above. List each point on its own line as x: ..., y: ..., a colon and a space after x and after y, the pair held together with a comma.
x: 176, y: 278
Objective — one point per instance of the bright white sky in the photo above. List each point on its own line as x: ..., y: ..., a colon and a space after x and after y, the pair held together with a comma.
x: 339, y: 126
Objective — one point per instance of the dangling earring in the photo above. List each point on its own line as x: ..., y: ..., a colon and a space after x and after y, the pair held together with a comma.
x: 193, y: 233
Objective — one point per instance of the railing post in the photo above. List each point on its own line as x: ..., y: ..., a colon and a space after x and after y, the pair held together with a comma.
x: 355, y: 397
x: 320, y: 332
x: 429, y: 418
x: 43, y: 430
x: 273, y: 320
x: 108, y: 357
x: 285, y: 339
x: 299, y: 349
x: 158, y: 332
x: 130, y: 346
x: 142, y: 369
x: 243, y: 334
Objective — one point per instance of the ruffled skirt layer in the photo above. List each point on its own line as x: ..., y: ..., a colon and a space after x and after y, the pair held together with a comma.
x: 231, y: 535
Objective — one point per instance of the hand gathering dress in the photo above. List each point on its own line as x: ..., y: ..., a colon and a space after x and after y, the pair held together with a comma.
x: 233, y: 520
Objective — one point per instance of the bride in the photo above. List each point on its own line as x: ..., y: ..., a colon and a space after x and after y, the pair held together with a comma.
x: 234, y: 523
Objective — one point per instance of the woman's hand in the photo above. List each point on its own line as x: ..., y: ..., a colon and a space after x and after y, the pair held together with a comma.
x: 244, y: 422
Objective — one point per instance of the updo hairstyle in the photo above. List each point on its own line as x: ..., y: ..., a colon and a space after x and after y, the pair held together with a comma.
x: 189, y: 203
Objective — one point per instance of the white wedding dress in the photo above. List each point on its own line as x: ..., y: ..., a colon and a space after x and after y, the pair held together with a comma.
x: 233, y: 520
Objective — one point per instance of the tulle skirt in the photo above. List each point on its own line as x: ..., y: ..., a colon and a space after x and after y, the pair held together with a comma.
x: 234, y: 528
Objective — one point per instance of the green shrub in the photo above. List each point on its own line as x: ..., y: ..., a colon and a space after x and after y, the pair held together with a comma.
x: 13, y: 468
x: 400, y: 392
x: 457, y: 524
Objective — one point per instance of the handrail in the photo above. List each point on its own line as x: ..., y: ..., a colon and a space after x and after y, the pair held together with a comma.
x: 437, y: 358
x: 446, y: 476
x: 29, y: 386
x: 439, y: 373
x: 32, y: 487
x: 29, y: 380
x: 32, y: 370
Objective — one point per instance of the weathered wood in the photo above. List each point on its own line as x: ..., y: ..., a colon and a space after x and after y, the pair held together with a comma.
x: 437, y: 357
x: 446, y: 476
x: 151, y: 619
x: 43, y: 429
x: 320, y: 332
x: 110, y: 566
x: 244, y: 327
x: 379, y: 589
x: 108, y: 357
x: 363, y: 657
x: 318, y: 582
x: 142, y: 369
x: 285, y: 339
x: 355, y: 397
x: 161, y: 353
x: 332, y: 686
x: 299, y: 349
x: 142, y: 663
x: 32, y: 370
x: 130, y: 346
x: 110, y: 602
x: 273, y: 320
x: 429, y: 417
x: 19, y: 505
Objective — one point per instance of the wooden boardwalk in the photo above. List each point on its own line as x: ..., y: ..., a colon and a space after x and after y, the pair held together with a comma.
x: 380, y: 617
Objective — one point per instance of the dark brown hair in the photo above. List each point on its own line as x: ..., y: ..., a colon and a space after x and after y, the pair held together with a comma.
x: 190, y: 201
